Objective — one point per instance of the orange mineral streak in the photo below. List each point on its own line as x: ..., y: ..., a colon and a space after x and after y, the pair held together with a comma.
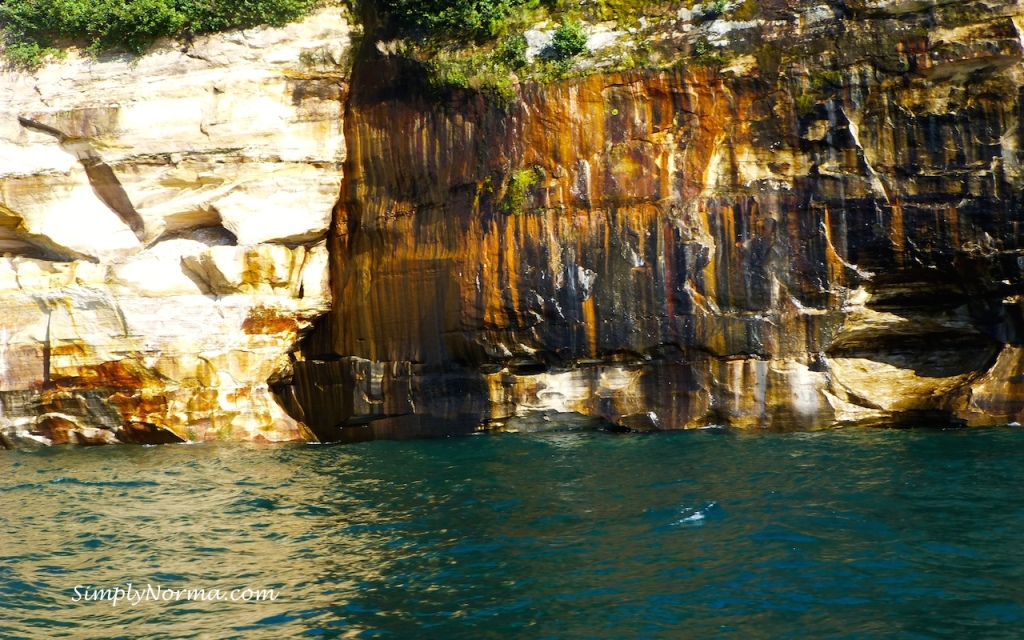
x: 710, y: 279
x: 266, y: 321
x: 896, y: 233
x: 696, y: 216
x: 834, y: 262
x: 590, y: 325
x: 953, y: 223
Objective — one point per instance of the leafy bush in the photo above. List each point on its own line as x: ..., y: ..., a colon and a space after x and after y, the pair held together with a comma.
x: 519, y: 185
x: 446, y: 74
x: 450, y: 18
x: 703, y: 54
x: 512, y: 52
x: 219, y: 15
x: 28, y: 55
x: 805, y: 103
x: 479, y: 73
x: 826, y: 79
x: 569, y: 40
x: 32, y: 26
x: 715, y: 9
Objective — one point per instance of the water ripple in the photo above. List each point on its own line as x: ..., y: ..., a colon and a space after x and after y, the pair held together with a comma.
x: 849, y: 534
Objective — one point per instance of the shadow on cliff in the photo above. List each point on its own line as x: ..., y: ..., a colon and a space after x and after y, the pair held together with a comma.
x: 346, y: 387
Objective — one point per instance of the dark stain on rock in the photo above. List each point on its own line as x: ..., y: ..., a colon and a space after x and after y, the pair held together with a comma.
x: 109, y: 190
x: 56, y: 428
x: 136, y: 432
x: 727, y: 231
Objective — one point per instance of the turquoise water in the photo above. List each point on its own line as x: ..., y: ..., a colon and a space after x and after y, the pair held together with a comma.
x: 845, y: 534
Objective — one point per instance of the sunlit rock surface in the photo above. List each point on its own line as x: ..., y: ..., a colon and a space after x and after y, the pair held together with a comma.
x: 163, y: 224
x: 812, y: 220
x: 789, y: 215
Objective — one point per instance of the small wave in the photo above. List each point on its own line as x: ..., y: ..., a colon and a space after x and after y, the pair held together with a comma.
x: 105, y: 483
x: 695, y: 517
x: 22, y: 487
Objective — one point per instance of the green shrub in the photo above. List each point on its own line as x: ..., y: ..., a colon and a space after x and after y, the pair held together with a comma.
x: 218, y: 15
x: 477, y: 73
x: 135, y: 24
x: 569, y: 40
x: 826, y: 79
x: 450, y: 18
x: 519, y: 186
x: 28, y: 55
x: 32, y: 26
x: 805, y: 103
x: 716, y: 9
x: 512, y: 52
x: 703, y: 54
x: 445, y: 74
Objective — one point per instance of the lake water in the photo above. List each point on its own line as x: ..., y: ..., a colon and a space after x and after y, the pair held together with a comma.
x: 840, y: 534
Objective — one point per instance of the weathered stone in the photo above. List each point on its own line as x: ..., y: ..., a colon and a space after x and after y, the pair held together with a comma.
x: 803, y: 216
x: 146, y: 294
x: 817, y: 223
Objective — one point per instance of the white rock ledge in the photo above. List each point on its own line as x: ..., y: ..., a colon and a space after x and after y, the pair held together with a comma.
x: 162, y: 224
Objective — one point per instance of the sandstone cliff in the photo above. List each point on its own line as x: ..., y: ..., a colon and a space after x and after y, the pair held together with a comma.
x: 162, y: 221
x: 803, y: 218
x: 780, y: 214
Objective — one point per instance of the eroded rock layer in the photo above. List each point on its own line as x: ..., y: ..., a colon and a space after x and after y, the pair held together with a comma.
x: 813, y: 221
x: 163, y: 224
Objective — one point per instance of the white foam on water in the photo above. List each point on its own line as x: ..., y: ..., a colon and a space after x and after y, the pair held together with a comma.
x: 694, y: 517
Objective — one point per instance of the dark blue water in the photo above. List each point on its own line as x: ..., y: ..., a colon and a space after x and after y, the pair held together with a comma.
x: 847, y: 534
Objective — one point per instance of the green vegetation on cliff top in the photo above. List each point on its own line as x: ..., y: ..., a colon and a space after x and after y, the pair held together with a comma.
x: 35, y: 29
x: 465, y: 44
x: 481, y: 45
x: 491, y: 46
x: 448, y: 18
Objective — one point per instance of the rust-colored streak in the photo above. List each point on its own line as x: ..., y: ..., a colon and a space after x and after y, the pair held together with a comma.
x: 896, y: 233
x: 127, y: 373
x: 56, y: 428
x: 718, y: 219
x: 590, y: 326
x: 266, y: 322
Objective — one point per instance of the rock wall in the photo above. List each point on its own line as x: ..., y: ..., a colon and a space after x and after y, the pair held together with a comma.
x: 813, y: 219
x: 163, y: 223
x: 791, y: 215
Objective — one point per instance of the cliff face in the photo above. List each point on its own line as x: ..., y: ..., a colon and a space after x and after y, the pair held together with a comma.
x: 162, y: 221
x: 790, y: 216
x: 811, y: 221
